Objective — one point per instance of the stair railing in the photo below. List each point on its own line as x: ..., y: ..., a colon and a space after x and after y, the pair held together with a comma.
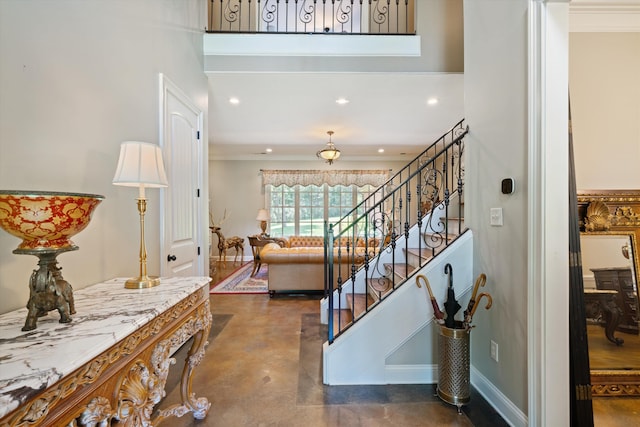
x: 367, y: 251
x: 342, y: 17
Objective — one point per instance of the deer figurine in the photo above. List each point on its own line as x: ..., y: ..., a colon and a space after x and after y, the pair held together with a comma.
x: 235, y: 242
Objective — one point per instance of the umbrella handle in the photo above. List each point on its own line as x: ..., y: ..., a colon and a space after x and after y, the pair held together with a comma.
x: 449, y: 270
x: 437, y: 313
x: 480, y: 281
x: 426, y: 284
x: 487, y: 307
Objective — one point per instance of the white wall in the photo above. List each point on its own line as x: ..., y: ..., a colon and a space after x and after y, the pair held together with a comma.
x: 604, y: 84
x: 516, y: 69
x: 236, y: 185
x: 496, y: 148
x: 76, y: 79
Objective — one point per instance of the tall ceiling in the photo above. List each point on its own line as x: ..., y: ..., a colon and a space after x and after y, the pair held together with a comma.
x: 290, y: 113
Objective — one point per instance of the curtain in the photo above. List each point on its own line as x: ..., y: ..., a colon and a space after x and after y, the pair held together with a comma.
x: 331, y: 177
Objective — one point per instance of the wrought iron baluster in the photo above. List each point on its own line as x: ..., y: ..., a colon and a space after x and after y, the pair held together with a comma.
x: 406, y: 16
x: 388, y: 213
x: 267, y: 14
x: 306, y: 13
x: 447, y: 195
x: 343, y: 15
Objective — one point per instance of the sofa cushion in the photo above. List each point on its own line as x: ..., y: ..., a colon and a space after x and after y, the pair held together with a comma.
x: 318, y: 241
x: 305, y: 241
x: 274, y: 254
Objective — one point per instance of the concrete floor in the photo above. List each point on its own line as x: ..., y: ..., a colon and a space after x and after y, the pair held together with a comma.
x: 263, y: 368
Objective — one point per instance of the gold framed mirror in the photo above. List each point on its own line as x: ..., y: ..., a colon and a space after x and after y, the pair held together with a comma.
x: 609, y: 233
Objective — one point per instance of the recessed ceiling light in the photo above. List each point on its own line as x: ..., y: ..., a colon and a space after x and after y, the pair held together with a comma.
x: 432, y: 101
x: 380, y: 150
x: 268, y: 150
x: 234, y: 100
x: 342, y: 101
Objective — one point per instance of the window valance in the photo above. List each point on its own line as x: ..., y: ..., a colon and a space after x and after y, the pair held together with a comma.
x: 330, y: 177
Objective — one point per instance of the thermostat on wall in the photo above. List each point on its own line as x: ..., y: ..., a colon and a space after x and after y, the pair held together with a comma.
x: 508, y: 186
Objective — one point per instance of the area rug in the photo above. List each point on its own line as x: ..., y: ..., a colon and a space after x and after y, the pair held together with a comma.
x: 241, y: 282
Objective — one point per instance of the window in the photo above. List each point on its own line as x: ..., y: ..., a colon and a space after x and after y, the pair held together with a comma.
x: 302, y: 210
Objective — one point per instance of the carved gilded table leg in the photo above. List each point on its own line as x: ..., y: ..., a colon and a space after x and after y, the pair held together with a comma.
x: 198, y: 328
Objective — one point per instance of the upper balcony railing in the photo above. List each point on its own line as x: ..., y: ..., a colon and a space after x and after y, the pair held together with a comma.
x: 313, y: 16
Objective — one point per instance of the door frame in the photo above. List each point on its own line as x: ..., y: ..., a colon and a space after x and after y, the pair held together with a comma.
x: 167, y: 86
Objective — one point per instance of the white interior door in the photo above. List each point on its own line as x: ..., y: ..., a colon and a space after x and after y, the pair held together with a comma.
x: 182, y: 202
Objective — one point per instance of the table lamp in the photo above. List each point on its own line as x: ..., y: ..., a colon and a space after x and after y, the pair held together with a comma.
x: 263, y: 217
x: 140, y: 165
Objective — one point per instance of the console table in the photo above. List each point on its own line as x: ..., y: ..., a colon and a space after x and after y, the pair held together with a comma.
x: 111, y: 362
x: 621, y: 280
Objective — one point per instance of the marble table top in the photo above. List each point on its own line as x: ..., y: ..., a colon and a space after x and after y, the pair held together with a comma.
x: 105, y: 314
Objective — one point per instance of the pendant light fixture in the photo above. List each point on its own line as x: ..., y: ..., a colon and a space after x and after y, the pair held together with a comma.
x: 330, y: 152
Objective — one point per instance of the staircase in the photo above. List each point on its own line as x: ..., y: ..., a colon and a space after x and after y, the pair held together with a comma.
x: 380, y: 324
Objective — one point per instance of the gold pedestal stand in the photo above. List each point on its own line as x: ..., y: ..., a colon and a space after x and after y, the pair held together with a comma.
x: 142, y: 281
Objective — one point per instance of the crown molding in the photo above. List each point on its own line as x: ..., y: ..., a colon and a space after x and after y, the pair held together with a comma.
x: 592, y: 16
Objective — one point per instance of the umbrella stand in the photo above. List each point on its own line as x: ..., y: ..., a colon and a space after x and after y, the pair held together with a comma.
x: 453, y: 353
x: 454, y: 365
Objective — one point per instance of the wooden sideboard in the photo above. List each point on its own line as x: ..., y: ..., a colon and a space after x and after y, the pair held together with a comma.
x: 110, y: 364
x: 620, y: 280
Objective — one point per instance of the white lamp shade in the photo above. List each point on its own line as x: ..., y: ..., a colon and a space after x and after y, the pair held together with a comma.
x: 263, y: 215
x: 330, y: 153
x: 140, y: 165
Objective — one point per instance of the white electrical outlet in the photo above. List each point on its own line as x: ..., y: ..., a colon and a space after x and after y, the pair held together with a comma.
x: 494, y: 350
x: 496, y: 216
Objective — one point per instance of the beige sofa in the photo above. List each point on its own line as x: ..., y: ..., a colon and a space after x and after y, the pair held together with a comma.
x: 299, y: 266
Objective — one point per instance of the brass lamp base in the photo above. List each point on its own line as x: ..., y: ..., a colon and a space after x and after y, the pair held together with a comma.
x: 142, y: 282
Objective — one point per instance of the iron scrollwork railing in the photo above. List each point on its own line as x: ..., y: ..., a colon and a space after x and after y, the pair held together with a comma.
x: 367, y: 251
x: 312, y: 16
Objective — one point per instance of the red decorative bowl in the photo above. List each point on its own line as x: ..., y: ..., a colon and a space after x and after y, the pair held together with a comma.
x: 46, y: 220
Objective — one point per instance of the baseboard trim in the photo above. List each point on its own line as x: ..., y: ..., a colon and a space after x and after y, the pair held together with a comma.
x: 506, y: 408
x: 411, y: 374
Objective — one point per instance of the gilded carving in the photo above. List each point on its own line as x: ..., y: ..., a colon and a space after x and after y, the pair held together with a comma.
x: 196, y: 357
x: 610, y: 390
x: 198, y: 327
x: 98, y: 413
x: 597, y: 218
x: 139, y: 392
x: 625, y: 216
x: 35, y: 411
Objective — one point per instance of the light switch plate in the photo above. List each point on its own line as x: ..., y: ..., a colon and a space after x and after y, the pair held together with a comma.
x: 496, y: 216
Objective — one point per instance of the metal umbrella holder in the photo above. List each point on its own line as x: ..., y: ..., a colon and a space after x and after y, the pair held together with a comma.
x: 454, y: 341
x: 453, y: 365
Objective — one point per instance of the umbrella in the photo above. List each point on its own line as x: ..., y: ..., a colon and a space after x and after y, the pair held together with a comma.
x: 480, y: 281
x: 439, y: 315
x: 451, y: 305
